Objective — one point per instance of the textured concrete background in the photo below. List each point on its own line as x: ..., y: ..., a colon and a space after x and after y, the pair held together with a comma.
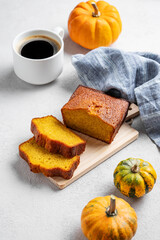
x: 30, y: 206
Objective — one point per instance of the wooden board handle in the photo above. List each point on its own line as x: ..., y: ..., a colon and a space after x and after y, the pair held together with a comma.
x: 132, y: 112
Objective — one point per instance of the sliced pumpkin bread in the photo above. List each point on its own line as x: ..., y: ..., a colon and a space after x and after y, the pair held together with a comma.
x: 40, y: 160
x: 51, y: 134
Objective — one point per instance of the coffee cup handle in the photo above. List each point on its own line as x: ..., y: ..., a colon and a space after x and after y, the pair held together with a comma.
x: 59, y: 31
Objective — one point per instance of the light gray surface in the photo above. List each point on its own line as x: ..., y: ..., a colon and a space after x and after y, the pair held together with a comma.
x: 30, y: 206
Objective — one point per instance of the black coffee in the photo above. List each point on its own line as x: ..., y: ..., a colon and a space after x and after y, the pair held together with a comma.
x: 39, y: 49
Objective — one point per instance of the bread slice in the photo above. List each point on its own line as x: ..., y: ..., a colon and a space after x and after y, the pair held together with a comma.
x: 40, y: 160
x: 94, y: 113
x: 51, y: 134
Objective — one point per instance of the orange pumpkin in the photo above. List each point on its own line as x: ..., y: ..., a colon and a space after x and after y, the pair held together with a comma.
x: 109, y: 217
x: 93, y: 24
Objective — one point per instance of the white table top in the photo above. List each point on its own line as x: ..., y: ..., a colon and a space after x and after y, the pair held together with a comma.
x: 30, y: 206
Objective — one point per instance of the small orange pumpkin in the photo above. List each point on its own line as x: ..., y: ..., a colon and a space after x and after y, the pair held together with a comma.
x: 93, y: 24
x: 108, y: 217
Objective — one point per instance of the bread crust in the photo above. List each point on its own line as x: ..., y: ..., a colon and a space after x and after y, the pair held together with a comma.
x: 55, y: 146
x: 49, y: 172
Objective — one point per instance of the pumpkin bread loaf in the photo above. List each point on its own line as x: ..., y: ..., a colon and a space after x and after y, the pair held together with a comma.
x: 51, y: 134
x: 94, y: 113
x: 40, y: 160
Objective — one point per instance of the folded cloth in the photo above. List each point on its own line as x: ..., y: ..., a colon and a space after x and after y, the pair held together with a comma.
x: 136, y: 75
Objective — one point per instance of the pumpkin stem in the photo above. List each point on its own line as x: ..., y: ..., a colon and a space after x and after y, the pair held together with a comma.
x: 135, y: 168
x: 111, y: 210
x: 96, y: 12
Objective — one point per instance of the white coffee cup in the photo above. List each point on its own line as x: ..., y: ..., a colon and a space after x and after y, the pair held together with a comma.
x: 38, y: 71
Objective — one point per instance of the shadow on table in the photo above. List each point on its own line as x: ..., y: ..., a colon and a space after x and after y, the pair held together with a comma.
x: 72, y: 48
x: 77, y: 235
x: 9, y: 82
x: 134, y: 202
x: 27, y: 177
x: 70, y: 82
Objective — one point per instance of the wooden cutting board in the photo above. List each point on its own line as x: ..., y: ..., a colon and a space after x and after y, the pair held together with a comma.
x: 97, y: 151
x: 132, y: 112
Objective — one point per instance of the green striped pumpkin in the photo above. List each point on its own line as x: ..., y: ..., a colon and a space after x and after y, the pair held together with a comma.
x: 134, y: 177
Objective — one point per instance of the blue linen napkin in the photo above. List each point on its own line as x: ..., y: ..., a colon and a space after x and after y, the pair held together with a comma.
x: 136, y: 75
